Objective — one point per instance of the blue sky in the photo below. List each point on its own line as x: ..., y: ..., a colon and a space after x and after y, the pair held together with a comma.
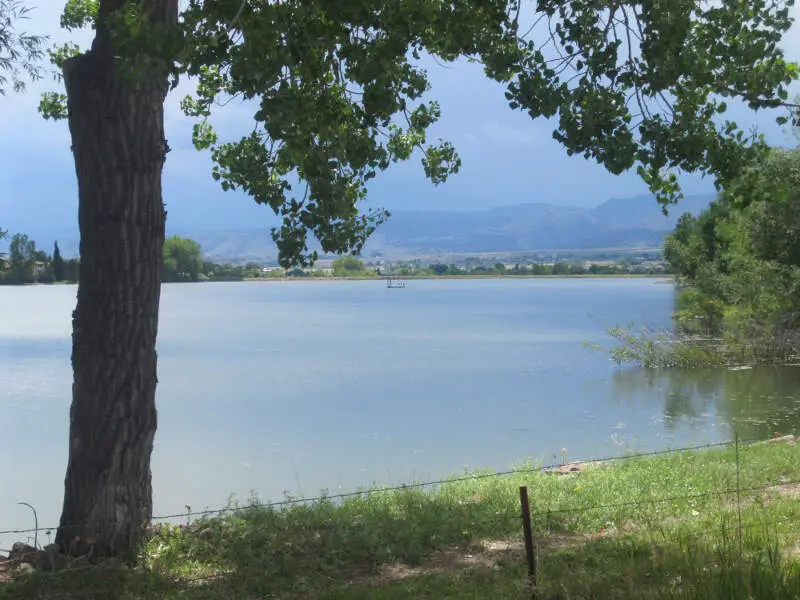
x: 507, y: 157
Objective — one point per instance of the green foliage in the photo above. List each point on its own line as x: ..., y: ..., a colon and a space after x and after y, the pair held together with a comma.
x: 223, y: 272
x: 345, y: 266
x: 661, y: 349
x: 78, y: 14
x: 439, y: 269
x: 739, y: 263
x: 21, y: 259
x: 296, y: 272
x: 59, y: 54
x: 183, y: 259
x: 53, y: 106
x: 26, y: 264
x: 339, y: 89
x: 71, y: 270
x: 20, y: 52
x: 58, y: 266
x: 560, y: 268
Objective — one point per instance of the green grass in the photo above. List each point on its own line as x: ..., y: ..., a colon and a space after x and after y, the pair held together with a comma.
x: 656, y: 527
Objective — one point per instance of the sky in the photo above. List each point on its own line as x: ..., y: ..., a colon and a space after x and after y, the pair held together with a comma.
x: 507, y: 157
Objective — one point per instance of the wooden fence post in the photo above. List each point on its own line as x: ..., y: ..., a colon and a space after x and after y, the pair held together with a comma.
x: 526, y: 527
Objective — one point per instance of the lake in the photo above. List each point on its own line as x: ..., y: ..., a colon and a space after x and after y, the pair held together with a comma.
x: 293, y: 387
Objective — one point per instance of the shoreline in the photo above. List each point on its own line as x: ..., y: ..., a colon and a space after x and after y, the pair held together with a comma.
x: 665, y: 278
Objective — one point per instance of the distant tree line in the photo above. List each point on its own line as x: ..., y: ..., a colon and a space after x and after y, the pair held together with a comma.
x: 352, y: 266
x: 24, y: 263
x: 184, y: 262
x: 622, y: 267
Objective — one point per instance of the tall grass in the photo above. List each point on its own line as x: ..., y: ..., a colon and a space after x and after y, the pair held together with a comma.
x: 658, y: 527
x: 653, y: 348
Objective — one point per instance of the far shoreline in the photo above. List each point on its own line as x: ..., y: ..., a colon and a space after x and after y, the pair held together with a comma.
x: 662, y: 279
x: 666, y: 279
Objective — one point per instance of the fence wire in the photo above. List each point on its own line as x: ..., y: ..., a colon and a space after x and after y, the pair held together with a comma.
x: 288, y: 502
x: 297, y: 551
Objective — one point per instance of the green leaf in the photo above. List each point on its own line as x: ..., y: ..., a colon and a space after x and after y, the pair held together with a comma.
x: 59, y: 54
x: 53, y: 106
x: 79, y: 13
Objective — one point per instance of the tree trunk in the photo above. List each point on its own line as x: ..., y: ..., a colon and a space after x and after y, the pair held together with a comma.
x: 117, y: 129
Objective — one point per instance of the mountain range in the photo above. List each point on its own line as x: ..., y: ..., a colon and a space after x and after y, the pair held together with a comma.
x: 617, y: 223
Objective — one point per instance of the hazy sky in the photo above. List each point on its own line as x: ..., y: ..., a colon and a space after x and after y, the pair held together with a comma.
x: 507, y: 157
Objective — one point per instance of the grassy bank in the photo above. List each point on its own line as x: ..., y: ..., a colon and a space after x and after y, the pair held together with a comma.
x: 655, y: 527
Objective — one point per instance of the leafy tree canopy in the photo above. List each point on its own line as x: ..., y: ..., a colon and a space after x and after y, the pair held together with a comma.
x: 741, y: 268
x: 59, y: 267
x: 183, y: 259
x: 22, y: 255
x: 339, y: 88
x: 347, y: 265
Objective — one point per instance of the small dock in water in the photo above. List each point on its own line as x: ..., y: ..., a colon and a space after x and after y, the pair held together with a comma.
x: 393, y: 282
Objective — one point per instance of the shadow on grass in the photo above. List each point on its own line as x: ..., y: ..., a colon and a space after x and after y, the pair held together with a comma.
x: 608, y: 569
x: 291, y: 552
x: 570, y: 566
x: 121, y: 583
x: 89, y: 584
x: 641, y: 529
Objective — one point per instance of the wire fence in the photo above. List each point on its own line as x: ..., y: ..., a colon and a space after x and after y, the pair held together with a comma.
x: 222, y: 510
x: 533, y: 519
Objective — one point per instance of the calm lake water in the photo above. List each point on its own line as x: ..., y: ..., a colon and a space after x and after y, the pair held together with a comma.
x: 292, y: 387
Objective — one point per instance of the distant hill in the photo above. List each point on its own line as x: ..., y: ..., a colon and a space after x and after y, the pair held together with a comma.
x: 616, y: 223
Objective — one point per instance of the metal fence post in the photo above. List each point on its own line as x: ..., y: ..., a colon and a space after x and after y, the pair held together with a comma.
x: 526, y: 527
x: 739, y: 498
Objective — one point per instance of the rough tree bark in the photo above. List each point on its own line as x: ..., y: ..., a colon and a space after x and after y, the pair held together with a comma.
x: 117, y: 129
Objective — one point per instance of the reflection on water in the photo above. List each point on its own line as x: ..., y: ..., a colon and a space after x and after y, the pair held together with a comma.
x: 753, y: 403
